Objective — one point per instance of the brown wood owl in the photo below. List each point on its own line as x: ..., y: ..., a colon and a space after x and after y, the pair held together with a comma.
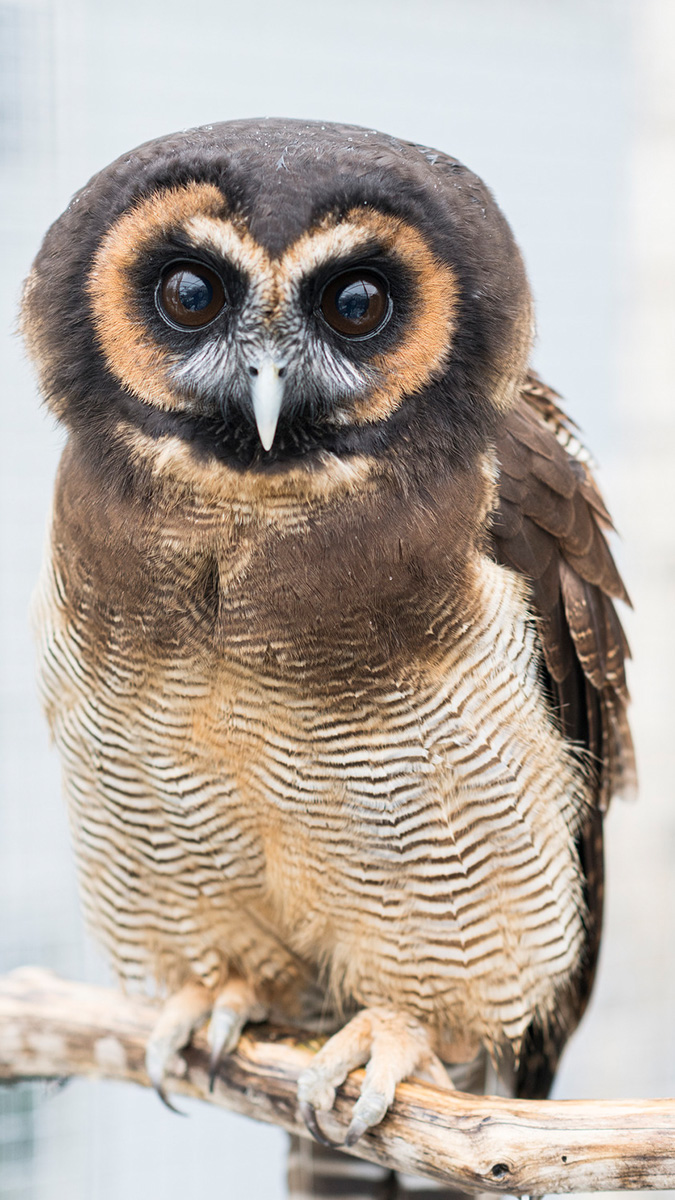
x: 327, y: 636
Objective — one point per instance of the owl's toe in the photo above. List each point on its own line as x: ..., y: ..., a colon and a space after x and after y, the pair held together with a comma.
x: 392, y: 1044
x: 182, y: 1014
x: 234, y: 1005
x: 185, y: 1012
x: 308, y: 1114
x: 369, y: 1110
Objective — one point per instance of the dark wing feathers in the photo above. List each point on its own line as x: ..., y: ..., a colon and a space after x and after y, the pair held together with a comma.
x: 550, y: 526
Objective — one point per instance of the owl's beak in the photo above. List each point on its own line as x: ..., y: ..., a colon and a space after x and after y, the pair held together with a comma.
x: 267, y: 394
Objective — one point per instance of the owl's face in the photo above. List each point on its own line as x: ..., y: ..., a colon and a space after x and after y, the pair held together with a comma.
x: 271, y: 293
x: 278, y: 352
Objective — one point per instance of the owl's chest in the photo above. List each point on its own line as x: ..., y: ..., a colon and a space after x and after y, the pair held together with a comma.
x: 404, y: 821
x: 358, y: 780
x: 338, y: 770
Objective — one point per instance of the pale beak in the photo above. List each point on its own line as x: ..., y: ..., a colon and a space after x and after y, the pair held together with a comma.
x: 267, y: 394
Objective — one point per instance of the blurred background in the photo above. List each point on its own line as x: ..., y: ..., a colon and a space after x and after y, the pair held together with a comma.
x: 567, y: 110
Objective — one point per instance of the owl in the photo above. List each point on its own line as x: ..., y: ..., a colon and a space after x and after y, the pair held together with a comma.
x: 328, y: 645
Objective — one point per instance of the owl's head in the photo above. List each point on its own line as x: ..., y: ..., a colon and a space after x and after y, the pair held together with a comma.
x: 268, y: 295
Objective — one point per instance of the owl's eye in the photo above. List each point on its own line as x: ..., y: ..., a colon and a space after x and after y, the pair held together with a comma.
x: 189, y: 295
x: 356, y: 304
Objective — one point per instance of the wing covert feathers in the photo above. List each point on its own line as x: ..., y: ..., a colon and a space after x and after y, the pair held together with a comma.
x: 550, y: 526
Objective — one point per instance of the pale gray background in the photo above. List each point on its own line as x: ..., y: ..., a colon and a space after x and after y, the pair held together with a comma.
x: 567, y: 109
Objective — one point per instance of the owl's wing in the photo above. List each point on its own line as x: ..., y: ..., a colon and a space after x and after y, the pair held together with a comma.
x: 550, y: 526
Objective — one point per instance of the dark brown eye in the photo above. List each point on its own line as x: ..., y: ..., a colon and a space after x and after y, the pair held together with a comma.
x: 190, y: 295
x: 356, y: 303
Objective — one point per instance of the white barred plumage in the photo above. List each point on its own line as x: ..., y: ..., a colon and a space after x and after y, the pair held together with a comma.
x: 446, y: 777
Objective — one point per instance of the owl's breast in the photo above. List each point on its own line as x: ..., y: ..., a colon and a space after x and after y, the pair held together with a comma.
x: 416, y: 819
x: 403, y: 825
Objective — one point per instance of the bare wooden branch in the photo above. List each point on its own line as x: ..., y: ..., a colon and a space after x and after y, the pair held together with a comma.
x: 50, y: 1028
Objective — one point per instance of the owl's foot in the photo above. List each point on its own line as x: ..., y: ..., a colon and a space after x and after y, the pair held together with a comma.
x: 185, y: 1012
x: 392, y: 1044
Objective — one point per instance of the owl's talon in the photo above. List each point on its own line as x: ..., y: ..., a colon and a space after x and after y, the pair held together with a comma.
x: 356, y: 1130
x: 159, y: 1089
x: 308, y: 1114
x: 235, y: 1004
x: 369, y: 1110
x: 157, y: 1059
x: 224, y: 1033
x: 182, y: 1014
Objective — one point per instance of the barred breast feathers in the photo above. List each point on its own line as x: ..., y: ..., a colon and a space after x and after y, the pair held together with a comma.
x: 390, y: 811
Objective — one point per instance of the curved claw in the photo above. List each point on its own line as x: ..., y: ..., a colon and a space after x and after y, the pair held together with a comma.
x: 155, y: 1065
x: 224, y: 1033
x: 182, y: 1013
x: 159, y: 1088
x: 308, y: 1114
x: 356, y: 1130
x: 369, y: 1110
x: 235, y: 1004
x: 214, y: 1063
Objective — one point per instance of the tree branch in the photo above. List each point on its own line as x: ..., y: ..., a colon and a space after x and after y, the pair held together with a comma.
x: 50, y: 1028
